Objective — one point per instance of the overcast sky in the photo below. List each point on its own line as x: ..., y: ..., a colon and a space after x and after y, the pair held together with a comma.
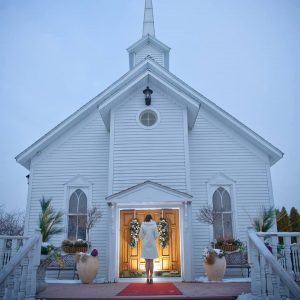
x: 55, y: 55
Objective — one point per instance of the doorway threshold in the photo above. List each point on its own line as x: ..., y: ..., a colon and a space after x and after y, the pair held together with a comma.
x: 155, y: 279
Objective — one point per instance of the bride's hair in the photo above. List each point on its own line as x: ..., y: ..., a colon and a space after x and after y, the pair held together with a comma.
x: 148, y: 218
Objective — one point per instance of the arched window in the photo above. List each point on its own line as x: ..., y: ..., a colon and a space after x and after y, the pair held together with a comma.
x: 77, y: 216
x: 223, y: 224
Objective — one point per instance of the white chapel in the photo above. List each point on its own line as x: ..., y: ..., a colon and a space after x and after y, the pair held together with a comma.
x: 149, y: 143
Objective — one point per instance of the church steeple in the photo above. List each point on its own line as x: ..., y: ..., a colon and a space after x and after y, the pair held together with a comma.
x: 148, y: 27
x: 148, y: 47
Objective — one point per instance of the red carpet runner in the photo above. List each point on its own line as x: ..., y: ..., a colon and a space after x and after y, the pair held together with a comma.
x: 143, y: 289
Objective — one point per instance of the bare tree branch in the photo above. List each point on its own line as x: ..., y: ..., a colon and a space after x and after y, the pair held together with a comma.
x: 11, y: 223
x: 207, y: 215
x: 93, y: 216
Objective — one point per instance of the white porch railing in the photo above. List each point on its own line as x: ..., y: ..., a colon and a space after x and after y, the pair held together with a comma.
x: 273, y: 274
x: 19, y: 260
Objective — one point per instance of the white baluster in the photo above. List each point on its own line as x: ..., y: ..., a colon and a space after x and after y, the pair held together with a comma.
x: 35, y: 260
x: 17, y: 280
x: 283, y: 291
x: 2, y: 243
x: 2, y: 290
x: 10, y: 280
x: 263, y: 278
x: 255, y: 272
x: 29, y: 275
x: 275, y: 279
x: 22, y: 292
x: 9, y: 288
x: 14, y: 245
x: 287, y: 254
x: 295, y: 259
x: 298, y: 257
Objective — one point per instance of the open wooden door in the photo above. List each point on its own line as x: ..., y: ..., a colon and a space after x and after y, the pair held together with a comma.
x: 168, y: 261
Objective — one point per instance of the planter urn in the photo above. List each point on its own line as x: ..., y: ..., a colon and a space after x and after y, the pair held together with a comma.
x: 216, y: 271
x: 87, y: 268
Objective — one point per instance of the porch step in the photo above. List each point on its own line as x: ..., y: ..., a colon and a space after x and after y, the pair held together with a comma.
x: 150, y: 297
x: 191, y: 291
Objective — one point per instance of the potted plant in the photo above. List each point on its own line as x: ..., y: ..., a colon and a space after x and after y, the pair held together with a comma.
x: 229, y: 245
x: 49, y: 223
x: 49, y: 220
x: 214, y: 264
x: 74, y: 246
x: 69, y: 246
x: 265, y: 219
x: 87, y: 266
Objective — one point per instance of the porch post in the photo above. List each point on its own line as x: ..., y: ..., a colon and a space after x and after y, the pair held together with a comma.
x: 187, y: 242
x: 112, y: 244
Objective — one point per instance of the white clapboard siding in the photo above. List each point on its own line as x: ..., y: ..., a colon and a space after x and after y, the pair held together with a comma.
x: 83, y: 150
x: 214, y: 150
x: 154, y: 52
x: 149, y: 154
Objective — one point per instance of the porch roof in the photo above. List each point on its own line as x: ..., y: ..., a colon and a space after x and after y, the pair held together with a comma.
x: 150, y: 192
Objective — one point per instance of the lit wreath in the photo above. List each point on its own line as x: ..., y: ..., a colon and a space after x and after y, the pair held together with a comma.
x: 134, y: 232
x: 163, y: 230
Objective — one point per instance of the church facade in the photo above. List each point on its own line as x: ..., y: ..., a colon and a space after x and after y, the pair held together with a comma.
x: 170, y: 158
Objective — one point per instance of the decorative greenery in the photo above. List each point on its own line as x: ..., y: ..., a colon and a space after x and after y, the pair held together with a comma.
x: 49, y: 220
x: 94, y: 252
x: 46, y: 248
x: 265, y: 219
x: 211, y: 254
x: 69, y: 246
x: 163, y: 230
x: 132, y: 274
x: 230, y: 245
x: 134, y: 232
x: 80, y: 243
x: 77, y: 243
x: 84, y: 256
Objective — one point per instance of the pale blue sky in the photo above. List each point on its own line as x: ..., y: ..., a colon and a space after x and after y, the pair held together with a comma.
x: 56, y: 55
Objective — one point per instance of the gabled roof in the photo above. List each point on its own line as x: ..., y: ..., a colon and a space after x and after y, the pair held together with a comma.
x: 150, y: 74
x: 143, y: 42
x: 149, y: 191
x: 148, y: 39
x: 148, y: 69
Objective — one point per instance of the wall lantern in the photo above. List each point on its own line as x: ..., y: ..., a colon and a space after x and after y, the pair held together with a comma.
x: 147, y: 93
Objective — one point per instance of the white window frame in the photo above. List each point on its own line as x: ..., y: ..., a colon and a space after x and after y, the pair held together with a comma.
x: 221, y: 180
x: 148, y: 109
x: 77, y: 182
x: 71, y: 191
x: 222, y: 213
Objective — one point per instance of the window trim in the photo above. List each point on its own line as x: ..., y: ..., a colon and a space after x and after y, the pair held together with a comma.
x: 77, y: 182
x: 227, y: 212
x: 144, y: 110
x: 72, y: 190
x: 221, y: 180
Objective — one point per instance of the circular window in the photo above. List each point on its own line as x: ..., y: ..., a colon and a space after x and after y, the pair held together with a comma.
x: 148, y: 118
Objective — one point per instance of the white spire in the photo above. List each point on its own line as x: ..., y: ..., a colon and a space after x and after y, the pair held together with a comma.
x: 148, y: 19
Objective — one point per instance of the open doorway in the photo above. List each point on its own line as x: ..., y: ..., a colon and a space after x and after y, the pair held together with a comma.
x: 168, y: 262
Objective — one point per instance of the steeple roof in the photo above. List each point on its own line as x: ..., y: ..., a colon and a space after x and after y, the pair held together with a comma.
x: 148, y: 27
